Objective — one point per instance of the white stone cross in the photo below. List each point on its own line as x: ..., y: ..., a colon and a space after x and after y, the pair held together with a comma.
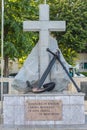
x: 44, y: 26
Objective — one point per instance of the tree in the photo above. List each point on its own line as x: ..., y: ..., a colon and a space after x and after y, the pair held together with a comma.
x: 16, y: 42
x: 74, y: 12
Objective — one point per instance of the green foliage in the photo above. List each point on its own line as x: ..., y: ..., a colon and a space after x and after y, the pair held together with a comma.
x: 74, y: 12
x: 69, y: 54
x: 84, y: 73
x: 16, y: 42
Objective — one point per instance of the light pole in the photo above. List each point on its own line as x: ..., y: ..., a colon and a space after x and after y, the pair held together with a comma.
x: 2, y: 40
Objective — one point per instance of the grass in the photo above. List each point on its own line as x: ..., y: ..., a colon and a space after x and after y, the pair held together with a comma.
x: 84, y: 73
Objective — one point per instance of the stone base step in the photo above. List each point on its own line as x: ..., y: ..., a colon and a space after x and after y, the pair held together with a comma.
x: 59, y: 128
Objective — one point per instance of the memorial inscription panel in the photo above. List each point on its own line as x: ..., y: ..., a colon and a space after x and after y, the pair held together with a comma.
x: 43, y: 110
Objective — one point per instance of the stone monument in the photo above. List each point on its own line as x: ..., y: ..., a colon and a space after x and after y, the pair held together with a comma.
x: 46, y: 109
x: 39, y: 58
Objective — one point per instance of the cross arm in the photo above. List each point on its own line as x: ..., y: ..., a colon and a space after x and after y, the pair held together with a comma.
x: 57, y: 25
x: 31, y: 26
x: 44, y: 25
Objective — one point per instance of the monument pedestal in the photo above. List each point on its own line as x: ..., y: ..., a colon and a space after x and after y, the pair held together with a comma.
x: 47, y: 109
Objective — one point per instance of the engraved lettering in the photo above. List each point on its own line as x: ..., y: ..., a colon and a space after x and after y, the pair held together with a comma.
x: 36, y: 110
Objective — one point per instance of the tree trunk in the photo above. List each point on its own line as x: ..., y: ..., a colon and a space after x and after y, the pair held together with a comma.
x: 6, y: 69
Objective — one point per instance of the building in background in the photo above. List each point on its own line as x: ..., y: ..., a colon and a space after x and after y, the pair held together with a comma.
x: 81, y: 62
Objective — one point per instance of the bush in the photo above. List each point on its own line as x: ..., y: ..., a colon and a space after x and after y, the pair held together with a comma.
x: 84, y: 73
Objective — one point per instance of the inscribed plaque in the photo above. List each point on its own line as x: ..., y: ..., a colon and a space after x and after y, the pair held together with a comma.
x: 43, y: 110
